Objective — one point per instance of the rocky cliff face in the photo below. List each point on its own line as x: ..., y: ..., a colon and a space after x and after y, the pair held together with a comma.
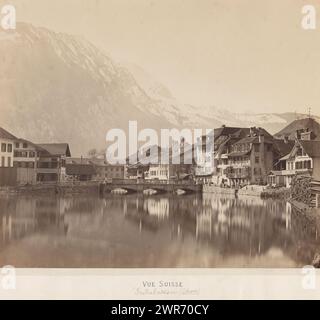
x: 57, y: 87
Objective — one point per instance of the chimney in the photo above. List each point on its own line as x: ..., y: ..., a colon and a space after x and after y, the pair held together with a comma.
x: 306, y: 135
x: 298, y: 134
x: 261, y: 138
x: 252, y: 131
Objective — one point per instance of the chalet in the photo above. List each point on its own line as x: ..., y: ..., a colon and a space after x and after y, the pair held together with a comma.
x: 276, y: 176
x: 26, y: 158
x: 251, y: 158
x: 79, y: 169
x: 115, y: 171
x: 179, y: 165
x: 304, y: 159
x: 224, y: 139
x: 52, y: 162
x: 25, y: 154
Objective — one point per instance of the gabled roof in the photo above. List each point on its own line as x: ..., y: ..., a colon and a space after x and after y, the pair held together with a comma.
x: 254, y: 136
x: 37, y: 147
x: 286, y: 157
x: 283, y: 147
x: 4, y: 134
x: 253, y: 140
x: 312, y: 148
x: 57, y: 149
x: 227, y: 131
x: 300, y: 124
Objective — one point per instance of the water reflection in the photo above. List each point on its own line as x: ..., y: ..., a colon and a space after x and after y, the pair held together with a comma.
x: 153, y: 231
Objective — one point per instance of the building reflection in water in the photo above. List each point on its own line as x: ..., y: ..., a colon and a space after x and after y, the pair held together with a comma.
x: 214, y: 225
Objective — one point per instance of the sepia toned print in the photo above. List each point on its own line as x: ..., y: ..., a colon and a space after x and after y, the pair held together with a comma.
x: 159, y: 134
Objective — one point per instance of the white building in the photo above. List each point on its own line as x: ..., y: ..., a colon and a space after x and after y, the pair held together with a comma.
x: 7, y: 141
x: 158, y: 172
x: 304, y: 159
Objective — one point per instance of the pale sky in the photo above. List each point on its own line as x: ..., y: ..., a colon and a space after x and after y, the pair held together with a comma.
x: 236, y: 54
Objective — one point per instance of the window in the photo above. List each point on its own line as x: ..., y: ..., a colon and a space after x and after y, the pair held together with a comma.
x: 299, y: 152
x: 32, y: 154
x: 257, y: 159
x: 25, y: 145
x: 3, y: 147
x: 9, y: 161
x: 2, y: 161
x: 9, y: 147
x: 17, y: 144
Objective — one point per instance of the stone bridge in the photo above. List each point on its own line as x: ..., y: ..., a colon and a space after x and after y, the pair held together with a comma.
x: 160, y: 186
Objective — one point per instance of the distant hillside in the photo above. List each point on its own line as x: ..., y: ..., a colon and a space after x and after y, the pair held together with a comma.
x: 56, y: 87
x: 290, y: 130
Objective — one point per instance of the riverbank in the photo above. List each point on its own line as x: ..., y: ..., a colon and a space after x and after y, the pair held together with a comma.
x: 50, y: 189
x: 218, y: 190
x: 281, y: 193
x: 251, y: 190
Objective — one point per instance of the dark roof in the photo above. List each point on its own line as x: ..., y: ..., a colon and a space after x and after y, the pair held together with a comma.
x: 249, y: 140
x: 238, y: 154
x: 291, y: 129
x: 283, y: 148
x: 253, y: 137
x: 312, y: 148
x: 4, y: 134
x: 226, y: 131
x: 57, y: 149
x: 80, y: 169
x: 78, y: 161
x: 37, y: 147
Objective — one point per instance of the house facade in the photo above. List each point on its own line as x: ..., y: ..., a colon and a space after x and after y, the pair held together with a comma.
x: 115, y: 171
x: 304, y: 159
x: 25, y: 154
x: 250, y: 159
x: 6, y: 148
x: 26, y: 158
x: 52, y: 162
x: 224, y: 139
x: 159, y: 172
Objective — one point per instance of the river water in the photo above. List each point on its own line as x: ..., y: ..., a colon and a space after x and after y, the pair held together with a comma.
x: 153, y: 231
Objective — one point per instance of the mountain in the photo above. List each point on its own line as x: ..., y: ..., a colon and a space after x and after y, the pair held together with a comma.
x: 55, y: 87
x: 208, y: 116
